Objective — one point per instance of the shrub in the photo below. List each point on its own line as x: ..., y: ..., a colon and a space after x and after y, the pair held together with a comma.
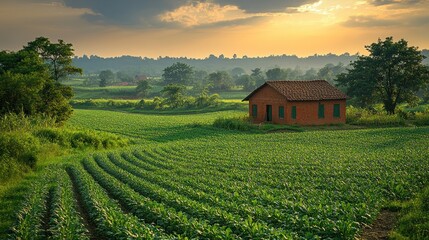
x: 238, y: 123
x: 19, y: 147
x: 14, y: 122
x: 421, y: 118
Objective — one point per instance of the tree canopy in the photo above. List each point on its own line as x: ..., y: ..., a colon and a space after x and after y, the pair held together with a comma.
x: 58, y: 56
x: 392, y: 73
x: 178, y: 73
x: 27, y: 86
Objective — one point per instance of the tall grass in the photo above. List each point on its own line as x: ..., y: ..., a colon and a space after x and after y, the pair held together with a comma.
x: 24, y: 139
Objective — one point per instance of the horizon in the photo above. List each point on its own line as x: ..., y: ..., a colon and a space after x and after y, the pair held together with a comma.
x: 198, y: 28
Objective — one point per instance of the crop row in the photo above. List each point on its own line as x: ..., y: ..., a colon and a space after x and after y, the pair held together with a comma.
x: 49, y: 210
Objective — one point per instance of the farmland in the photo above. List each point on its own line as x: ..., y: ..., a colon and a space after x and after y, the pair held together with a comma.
x: 184, y: 178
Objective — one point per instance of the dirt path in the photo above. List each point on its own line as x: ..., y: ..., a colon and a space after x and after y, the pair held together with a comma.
x: 381, y: 227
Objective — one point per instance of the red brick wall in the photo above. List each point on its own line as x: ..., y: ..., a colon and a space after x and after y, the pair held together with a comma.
x: 306, y: 111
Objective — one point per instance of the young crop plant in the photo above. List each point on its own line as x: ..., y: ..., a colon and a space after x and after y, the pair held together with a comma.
x: 65, y: 223
x: 151, y: 211
x: 111, y: 222
x: 30, y: 217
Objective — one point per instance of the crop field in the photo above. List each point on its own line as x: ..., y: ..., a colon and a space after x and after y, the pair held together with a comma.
x: 185, y: 179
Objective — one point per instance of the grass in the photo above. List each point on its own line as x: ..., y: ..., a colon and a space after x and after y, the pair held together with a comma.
x: 110, y: 92
x: 414, y: 218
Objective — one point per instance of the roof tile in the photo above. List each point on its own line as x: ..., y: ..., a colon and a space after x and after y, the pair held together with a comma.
x: 314, y: 90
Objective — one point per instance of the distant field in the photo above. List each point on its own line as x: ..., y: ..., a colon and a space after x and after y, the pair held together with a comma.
x: 234, y: 95
x: 186, y: 178
x: 121, y: 92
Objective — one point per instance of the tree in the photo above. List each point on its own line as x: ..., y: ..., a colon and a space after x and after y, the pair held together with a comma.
x: 26, y: 87
x: 175, y: 94
x: 58, y: 56
x: 330, y: 72
x: 248, y: 82
x: 220, y: 80
x: 392, y: 73
x: 106, y: 77
x: 276, y: 74
x: 143, y: 88
x: 258, y: 75
x: 178, y: 73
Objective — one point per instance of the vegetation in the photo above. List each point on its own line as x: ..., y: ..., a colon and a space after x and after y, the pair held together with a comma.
x: 24, y: 139
x: 414, y: 220
x: 326, y: 185
x: 392, y: 74
x: 58, y: 57
x: 29, y: 80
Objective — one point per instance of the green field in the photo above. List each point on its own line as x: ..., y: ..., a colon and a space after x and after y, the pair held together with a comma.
x: 185, y: 178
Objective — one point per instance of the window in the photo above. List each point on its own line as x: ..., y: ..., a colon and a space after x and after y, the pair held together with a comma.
x: 321, y: 111
x: 293, y: 112
x: 336, y: 110
x: 254, y: 110
x: 281, y: 112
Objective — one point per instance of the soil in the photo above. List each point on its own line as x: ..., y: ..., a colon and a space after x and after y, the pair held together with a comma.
x: 381, y: 227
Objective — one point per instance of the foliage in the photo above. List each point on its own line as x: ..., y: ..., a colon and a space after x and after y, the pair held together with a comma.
x: 245, y: 124
x: 248, y: 82
x: 377, y: 117
x: 276, y: 74
x: 220, y: 81
x: 106, y: 77
x: 58, y: 56
x: 23, y: 139
x: 414, y: 220
x: 392, y: 74
x: 175, y: 95
x: 330, y: 72
x: 26, y: 87
x: 307, y: 185
x: 178, y: 73
x: 143, y: 88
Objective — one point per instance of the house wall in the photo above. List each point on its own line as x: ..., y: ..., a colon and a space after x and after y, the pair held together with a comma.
x: 306, y: 111
x: 267, y: 96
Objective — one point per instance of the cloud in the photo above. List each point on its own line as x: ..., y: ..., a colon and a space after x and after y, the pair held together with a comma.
x: 203, y: 13
x: 396, y: 3
x: 132, y: 13
x: 369, y: 21
x: 149, y: 13
x: 265, y: 6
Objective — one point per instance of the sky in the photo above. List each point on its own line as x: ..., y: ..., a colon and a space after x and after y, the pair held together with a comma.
x: 198, y: 28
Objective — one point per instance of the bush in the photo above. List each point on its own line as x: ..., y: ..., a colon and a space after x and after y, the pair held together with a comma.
x: 421, y: 118
x: 18, y: 150
x: 374, y: 117
x: 14, y: 122
x: 238, y: 123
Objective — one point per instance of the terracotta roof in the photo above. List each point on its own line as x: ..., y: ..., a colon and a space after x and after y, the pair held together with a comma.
x: 313, y: 90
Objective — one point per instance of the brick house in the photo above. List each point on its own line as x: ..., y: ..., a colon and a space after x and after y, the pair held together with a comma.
x: 297, y: 102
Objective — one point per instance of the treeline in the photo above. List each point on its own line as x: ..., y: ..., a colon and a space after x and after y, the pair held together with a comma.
x: 155, y: 67
x: 217, y: 81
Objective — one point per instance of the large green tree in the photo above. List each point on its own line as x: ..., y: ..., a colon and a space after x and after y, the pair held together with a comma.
x: 58, y: 56
x: 178, y: 73
x: 220, y: 81
x: 392, y: 73
x: 106, y: 77
x: 26, y: 87
x: 175, y: 94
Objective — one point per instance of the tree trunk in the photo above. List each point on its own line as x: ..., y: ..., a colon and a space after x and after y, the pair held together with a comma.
x: 389, y: 106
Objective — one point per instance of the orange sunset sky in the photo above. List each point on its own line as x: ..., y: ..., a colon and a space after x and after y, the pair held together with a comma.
x: 152, y: 28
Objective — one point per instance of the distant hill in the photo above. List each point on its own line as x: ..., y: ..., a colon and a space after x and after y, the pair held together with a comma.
x: 154, y: 67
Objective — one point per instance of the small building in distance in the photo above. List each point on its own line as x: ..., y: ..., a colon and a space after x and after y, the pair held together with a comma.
x: 314, y: 102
